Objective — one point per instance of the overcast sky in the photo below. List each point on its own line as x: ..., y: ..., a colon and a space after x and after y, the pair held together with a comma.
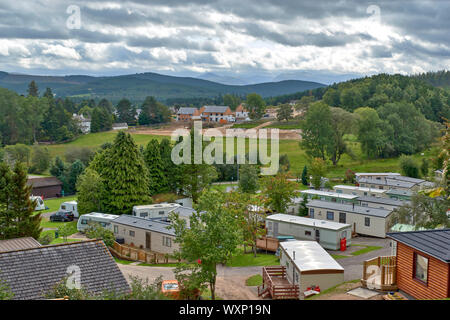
x: 239, y: 38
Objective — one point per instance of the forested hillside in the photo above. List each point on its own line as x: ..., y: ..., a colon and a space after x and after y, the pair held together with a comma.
x: 437, y: 79
x: 136, y: 87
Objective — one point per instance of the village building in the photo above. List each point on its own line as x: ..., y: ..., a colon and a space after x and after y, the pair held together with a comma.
x: 120, y: 126
x: 241, y: 113
x: 327, y: 233
x: 155, y: 235
x: 380, y: 176
x: 365, y: 221
x: 220, y: 114
x: 84, y: 123
x: 31, y: 273
x: 186, y: 114
x: 46, y: 187
x: 309, y: 265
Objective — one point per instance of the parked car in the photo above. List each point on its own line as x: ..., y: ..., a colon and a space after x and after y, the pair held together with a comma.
x: 62, y: 215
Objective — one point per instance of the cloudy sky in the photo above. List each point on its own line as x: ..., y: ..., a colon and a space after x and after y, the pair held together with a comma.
x: 246, y: 39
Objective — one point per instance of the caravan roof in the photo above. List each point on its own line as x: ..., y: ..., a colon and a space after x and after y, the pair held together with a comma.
x: 100, y: 215
x: 157, y: 206
x: 309, y: 256
x: 374, y: 190
x: 308, y: 221
x: 329, y: 194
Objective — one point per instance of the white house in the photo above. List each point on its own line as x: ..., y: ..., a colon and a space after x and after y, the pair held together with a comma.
x: 84, y: 123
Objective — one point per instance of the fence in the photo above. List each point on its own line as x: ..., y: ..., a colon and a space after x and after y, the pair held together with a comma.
x: 135, y: 254
x: 380, y: 273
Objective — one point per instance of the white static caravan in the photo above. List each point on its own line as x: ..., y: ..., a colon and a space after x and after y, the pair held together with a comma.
x: 71, y: 206
x: 308, y: 264
x: 152, y: 211
x: 327, y: 233
x: 102, y: 218
x: 360, y: 191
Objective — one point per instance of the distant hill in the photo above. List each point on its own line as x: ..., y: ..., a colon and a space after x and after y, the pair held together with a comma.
x: 138, y: 86
x: 437, y: 79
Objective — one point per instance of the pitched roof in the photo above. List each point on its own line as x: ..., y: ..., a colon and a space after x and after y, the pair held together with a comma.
x: 407, y: 193
x: 30, y: 273
x: 17, y: 244
x: 39, y: 182
x: 145, y: 224
x: 217, y: 109
x: 382, y: 213
x: 435, y: 243
x: 187, y: 110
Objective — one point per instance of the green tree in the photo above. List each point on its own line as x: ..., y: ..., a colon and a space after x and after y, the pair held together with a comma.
x: 90, y: 192
x: 278, y: 192
x: 76, y: 169
x: 255, y: 105
x: 248, y: 178
x: 152, y: 157
x: 212, y: 238
x: 40, y: 159
x: 317, y: 130
x: 305, y: 177
x: 318, y: 169
x: 5, y: 291
x: 284, y: 164
x: 285, y: 112
x: 424, y: 167
x: 409, y: 166
x: 124, y: 174
x: 33, y: 89
x: 232, y: 101
x: 18, y: 153
x: 101, y: 120
x: 370, y: 132
x: 171, y: 171
x: 96, y: 231
x: 126, y: 112
x: 303, y: 210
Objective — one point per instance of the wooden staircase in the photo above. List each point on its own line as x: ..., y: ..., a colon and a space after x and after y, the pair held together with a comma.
x: 275, y: 284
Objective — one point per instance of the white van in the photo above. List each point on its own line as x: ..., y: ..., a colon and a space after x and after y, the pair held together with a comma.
x: 102, y: 218
x: 40, y: 205
x: 151, y: 211
x: 71, y: 206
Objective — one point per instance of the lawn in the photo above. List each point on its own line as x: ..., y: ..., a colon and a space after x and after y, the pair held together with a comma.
x: 53, y: 204
x: 283, y: 125
x: 366, y: 249
x: 249, y: 124
x: 340, y: 288
x: 122, y: 261
x: 248, y: 260
x: 254, y: 281
x: 297, y: 156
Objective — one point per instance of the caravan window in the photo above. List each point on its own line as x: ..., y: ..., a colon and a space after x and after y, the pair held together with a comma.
x: 167, y: 242
x: 330, y: 215
x: 367, y: 222
x: 144, y: 214
x: 84, y: 221
x: 63, y: 207
x: 270, y: 225
x: 116, y: 229
x: 161, y: 212
x: 307, y: 233
x: 131, y: 233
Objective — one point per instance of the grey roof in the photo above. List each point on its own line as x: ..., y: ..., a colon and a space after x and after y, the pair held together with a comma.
x: 435, y: 243
x: 387, y: 201
x: 388, y: 182
x: 155, y: 225
x: 30, y: 273
x: 218, y: 109
x: 184, y: 211
x: 407, y: 193
x: 349, y: 208
x: 408, y: 179
x: 18, y: 244
x: 187, y: 110
x: 39, y: 182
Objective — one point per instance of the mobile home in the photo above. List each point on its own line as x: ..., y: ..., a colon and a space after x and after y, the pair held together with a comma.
x: 308, y: 264
x: 380, y: 203
x: 364, y: 220
x: 152, y: 211
x: 102, y: 218
x: 329, y: 196
x: 327, y: 233
x: 359, y: 191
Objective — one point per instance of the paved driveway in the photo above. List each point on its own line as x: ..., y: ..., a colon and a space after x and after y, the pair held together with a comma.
x: 354, y: 265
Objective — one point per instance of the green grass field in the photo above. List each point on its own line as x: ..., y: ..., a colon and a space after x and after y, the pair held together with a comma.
x: 297, y: 156
x: 254, y: 281
x: 289, y: 125
x: 242, y: 259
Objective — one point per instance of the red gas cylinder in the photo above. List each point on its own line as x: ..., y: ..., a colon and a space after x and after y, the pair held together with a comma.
x: 343, y: 244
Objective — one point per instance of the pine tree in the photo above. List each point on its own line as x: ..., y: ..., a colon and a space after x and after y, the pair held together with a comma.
x: 76, y: 169
x: 6, y: 217
x: 24, y: 223
x: 125, y: 175
x: 171, y: 171
x: 33, y: 89
x: 158, y: 181
x: 305, y: 176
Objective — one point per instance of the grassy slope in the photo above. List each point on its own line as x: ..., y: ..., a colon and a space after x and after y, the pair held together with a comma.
x: 297, y: 156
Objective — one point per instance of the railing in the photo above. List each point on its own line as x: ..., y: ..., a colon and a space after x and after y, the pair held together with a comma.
x: 380, y: 273
x: 277, y: 291
x: 141, y: 255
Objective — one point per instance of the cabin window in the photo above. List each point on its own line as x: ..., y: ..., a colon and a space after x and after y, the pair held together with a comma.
x: 344, y: 234
x: 367, y: 222
x: 84, y: 221
x: 116, y: 229
x: 330, y: 215
x: 131, y: 233
x: 167, y: 242
x: 307, y: 233
x: 365, y: 193
x: 420, y: 268
x: 144, y: 214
